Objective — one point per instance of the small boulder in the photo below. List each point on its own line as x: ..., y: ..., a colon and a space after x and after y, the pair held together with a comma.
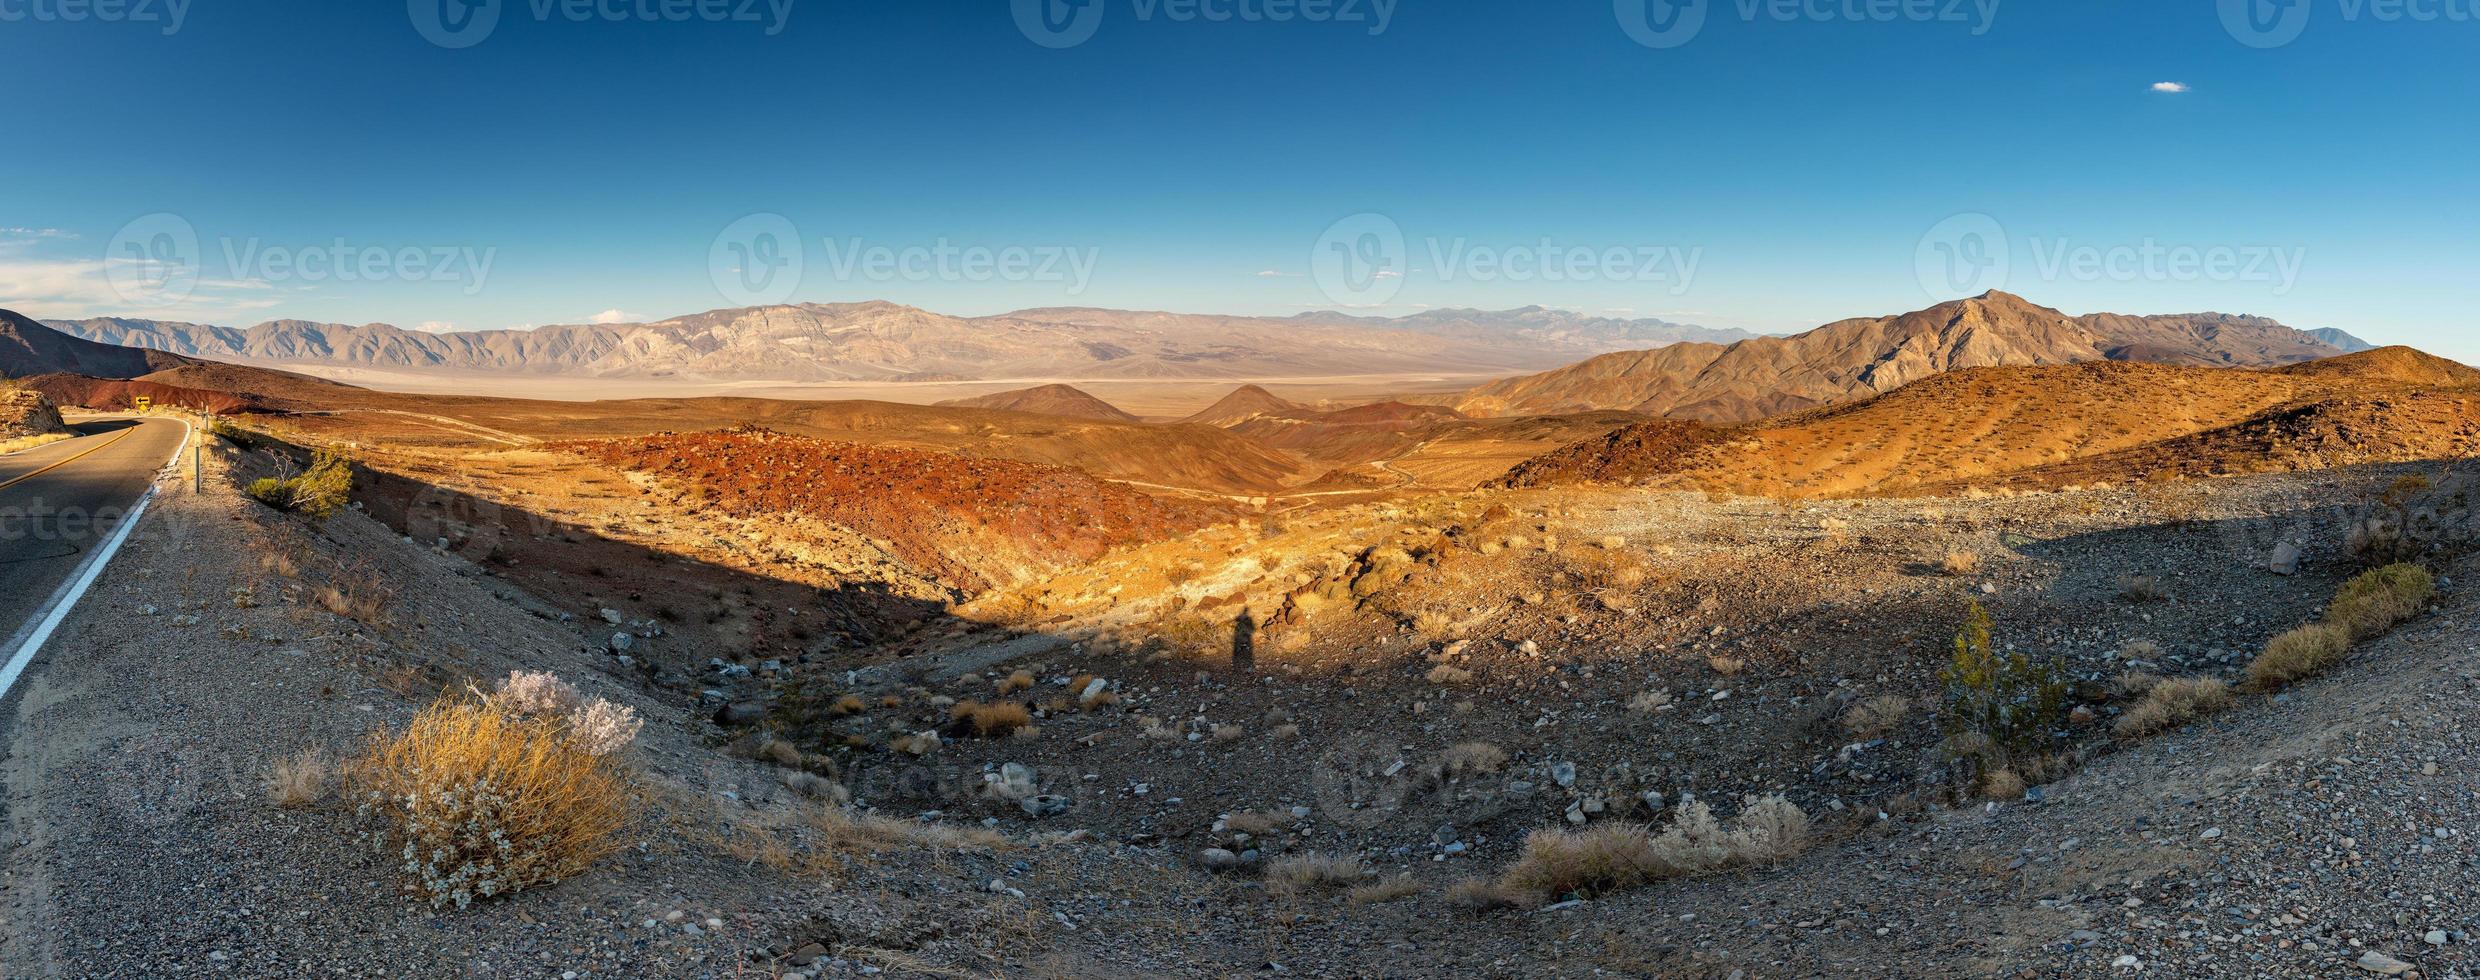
x: 2285, y: 559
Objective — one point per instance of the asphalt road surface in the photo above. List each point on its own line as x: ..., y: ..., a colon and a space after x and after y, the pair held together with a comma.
x: 59, y: 503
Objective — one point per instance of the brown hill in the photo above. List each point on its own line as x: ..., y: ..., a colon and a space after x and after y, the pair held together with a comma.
x: 1062, y: 400
x: 28, y: 348
x: 2083, y: 423
x: 2390, y: 364
x: 105, y: 394
x: 1244, y: 403
x: 1854, y: 359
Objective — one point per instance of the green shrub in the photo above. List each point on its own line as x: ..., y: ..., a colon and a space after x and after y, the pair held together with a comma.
x: 2007, y: 704
x: 317, y: 493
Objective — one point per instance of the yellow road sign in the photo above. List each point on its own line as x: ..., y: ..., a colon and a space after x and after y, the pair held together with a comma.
x: 143, y: 402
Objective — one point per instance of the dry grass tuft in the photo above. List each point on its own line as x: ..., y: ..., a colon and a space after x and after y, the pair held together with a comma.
x: 23, y: 443
x: 2001, y: 784
x: 1257, y: 823
x: 846, y: 830
x: 1303, y: 874
x: 2142, y: 589
x: 846, y: 706
x: 1726, y: 666
x: 1961, y: 563
x: 2171, y: 703
x: 488, y: 804
x: 1483, y: 895
x: 2299, y: 654
x: 992, y: 720
x: 298, y: 780
x: 1387, y: 890
x: 2376, y: 602
x: 1449, y: 674
x: 1019, y: 681
x: 1876, y: 716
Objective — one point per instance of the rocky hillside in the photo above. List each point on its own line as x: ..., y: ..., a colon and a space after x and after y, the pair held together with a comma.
x: 969, y: 522
x: 1062, y: 400
x: 2101, y: 422
x: 1854, y: 359
x: 28, y: 348
x: 879, y: 341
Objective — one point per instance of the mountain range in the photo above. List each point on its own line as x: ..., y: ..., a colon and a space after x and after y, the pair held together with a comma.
x: 1858, y: 358
x: 879, y: 341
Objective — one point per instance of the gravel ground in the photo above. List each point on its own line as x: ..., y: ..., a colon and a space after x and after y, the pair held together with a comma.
x: 2290, y: 836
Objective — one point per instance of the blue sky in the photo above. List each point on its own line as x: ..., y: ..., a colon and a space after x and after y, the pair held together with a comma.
x: 1789, y: 164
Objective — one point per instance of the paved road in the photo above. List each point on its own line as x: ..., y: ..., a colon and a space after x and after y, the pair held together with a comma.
x: 60, y: 502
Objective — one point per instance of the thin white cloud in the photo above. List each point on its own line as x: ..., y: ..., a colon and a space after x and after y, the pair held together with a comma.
x: 1272, y: 274
x: 435, y: 326
x: 618, y: 315
x: 2173, y: 88
x: 76, y: 288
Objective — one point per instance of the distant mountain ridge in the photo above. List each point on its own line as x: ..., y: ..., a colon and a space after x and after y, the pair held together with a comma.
x: 1858, y: 358
x: 880, y: 341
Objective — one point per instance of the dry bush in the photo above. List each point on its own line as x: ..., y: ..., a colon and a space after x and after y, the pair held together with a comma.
x: 1449, y: 674
x: 298, y: 780
x: 2001, y: 784
x: 1876, y: 716
x: 536, y: 692
x: 2171, y: 703
x: 487, y: 804
x: 1961, y: 563
x: 1726, y: 666
x: 1229, y: 733
x: 1019, y: 681
x: 2140, y: 650
x: 1287, y: 731
x: 1387, y: 890
x: 1302, y: 874
x: 1472, y: 757
x: 2299, y: 654
x: 847, y: 705
x: 2134, y: 683
x: 2142, y: 589
x: 1615, y: 856
x: 992, y: 720
x: 2374, y: 603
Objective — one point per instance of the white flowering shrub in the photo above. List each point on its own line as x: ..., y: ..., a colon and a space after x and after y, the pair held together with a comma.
x: 479, y: 803
x: 533, y: 693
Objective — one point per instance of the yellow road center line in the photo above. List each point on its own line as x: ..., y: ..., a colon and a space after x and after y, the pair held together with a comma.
x: 82, y: 454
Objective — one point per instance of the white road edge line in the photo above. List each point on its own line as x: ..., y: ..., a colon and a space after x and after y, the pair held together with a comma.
x: 66, y: 598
